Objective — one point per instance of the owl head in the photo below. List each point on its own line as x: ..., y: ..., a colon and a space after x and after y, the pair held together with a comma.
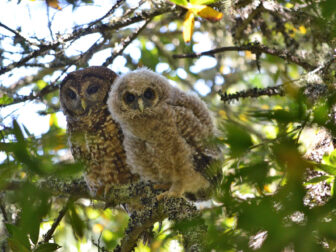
x: 84, y: 92
x: 138, y: 93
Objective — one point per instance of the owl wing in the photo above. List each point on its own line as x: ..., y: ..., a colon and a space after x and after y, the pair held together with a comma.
x: 78, y: 147
x: 194, y: 124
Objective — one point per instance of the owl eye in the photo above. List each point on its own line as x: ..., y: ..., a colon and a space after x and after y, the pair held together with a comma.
x: 92, y: 89
x: 129, y: 98
x: 149, y: 94
x: 71, y: 94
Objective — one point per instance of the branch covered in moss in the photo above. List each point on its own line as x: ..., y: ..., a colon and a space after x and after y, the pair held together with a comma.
x: 254, y: 48
x: 254, y: 92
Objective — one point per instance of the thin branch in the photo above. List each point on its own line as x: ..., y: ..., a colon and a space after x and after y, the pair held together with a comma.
x: 246, y: 21
x: 254, y: 92
x: 110, y: 12
x: 124, y: 43
x: 138, y: 223
x: 16, y: 33
x: 33, y: 54
x: 40, y: 94
x: 57, y: 221
x: 101, y: 28
x: 3, y: 211
x: 49, y: 22
x: 77, y: 188
x: 254, y: 48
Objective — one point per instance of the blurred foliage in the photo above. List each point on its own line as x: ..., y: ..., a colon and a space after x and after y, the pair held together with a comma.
x: 267, y: 199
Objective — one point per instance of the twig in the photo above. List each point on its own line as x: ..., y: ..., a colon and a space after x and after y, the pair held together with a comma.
x: 254, y: 92
x: 124, y: 43
x: 33, y: 54
x: 102, y: 249
x: 138, y: 223
x: 44, y: 91
x: 101, y: 28
x: 4, y: 244
x: 16, y: 33
x: 120, y: 23
x: 57, y: 221
x: 3, y: 211
x: 255, y: 48
x: 110, y: 12
x: 49, y: 22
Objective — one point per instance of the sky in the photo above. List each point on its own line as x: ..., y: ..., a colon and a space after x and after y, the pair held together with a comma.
x: 31, y: 17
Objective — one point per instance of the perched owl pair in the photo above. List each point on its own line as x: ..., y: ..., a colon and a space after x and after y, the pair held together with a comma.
x: 137, y: 125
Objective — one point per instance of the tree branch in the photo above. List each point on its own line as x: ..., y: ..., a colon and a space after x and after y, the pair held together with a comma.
x: 175, y: 209
x: 16, y: 33
x: 57, y: 221
x: 254, y: 48
x: 3, y: 211
x: 101, y: 28
x: 110, y: 12
x: 254, y: 92
x: 141, y: 194
x: 124, y: 43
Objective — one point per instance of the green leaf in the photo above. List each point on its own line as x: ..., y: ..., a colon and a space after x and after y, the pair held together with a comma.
x: 330, y: 159
x: 328, y: 169
x: 26, y: 131
x: 7, y: 147
x: 183, y: 3
x: 328, y: 8
x: 67, y: 169
x: 18, y: 237
x: 316, y: 180
x: 7, y: 170
x: 149, y: 58
x: 75, y: 221
x: 255, y: 172
x: 34, y: 204
x: 5, y: 99
x: 18, y: 133
x: 16, y: 246
x: 238, y: 139
x: 321, y: 114
x: 47, y: 247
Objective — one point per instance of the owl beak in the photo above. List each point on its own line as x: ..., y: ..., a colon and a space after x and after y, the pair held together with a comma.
x: 83, y: 103
x: 141, y: 105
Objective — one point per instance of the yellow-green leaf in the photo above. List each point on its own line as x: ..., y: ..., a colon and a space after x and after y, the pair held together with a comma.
x: 41, y: 84
x: 188, y: 26
x: 5, y: 99
x: 203, y: 2
x: 180, y: 2
x: 206, y: 12
x: 54, y: 4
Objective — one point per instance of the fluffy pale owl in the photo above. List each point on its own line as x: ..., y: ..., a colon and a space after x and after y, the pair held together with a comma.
x: 95, y: 139
x: 166, y: 132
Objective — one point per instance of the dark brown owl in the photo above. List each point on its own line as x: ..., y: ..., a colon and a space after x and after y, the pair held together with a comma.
x: 95, y: 139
